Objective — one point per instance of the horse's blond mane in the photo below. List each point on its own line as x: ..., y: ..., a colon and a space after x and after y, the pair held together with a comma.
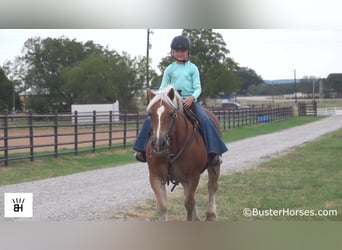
x: 162, y: 95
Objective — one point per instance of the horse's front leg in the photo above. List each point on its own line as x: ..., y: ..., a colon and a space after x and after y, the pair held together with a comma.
x: 213, y: 173
x: 159, y: 189
x: 189, y: 201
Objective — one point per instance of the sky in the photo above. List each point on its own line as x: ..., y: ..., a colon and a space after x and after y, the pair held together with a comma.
x: 272, y: 53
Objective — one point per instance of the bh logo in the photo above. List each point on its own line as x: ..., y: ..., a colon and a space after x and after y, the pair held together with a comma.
x: 18, y: 204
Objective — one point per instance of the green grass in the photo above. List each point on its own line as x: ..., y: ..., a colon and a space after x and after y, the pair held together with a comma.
x: 46, y: 167
x: 266, y: 128
x: 329, y: 103
x: 307, y: 179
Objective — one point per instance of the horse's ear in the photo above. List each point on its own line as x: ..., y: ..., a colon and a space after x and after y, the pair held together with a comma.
x: 150, y: 94
x: 171, y: 93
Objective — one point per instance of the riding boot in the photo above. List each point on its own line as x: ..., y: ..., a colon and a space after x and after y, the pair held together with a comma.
x: 140, y: 156
x: 214, y: 159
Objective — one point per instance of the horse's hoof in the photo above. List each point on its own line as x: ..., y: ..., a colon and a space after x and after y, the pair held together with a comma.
x: 210, y: 217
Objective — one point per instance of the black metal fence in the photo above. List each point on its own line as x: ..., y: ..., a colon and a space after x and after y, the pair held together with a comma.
x: 245, y: 117
x: 307, y: 108
x: 29, y: 136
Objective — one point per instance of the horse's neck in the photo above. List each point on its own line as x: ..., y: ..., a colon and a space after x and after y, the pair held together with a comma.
x: 182, y: 132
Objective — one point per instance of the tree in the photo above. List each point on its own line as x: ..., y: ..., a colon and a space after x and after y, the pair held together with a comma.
x: 335, y: 82
x: 209, y: 53
x: 44, y: 61
x: 105, y: 79
x: 130, y: 79
x: 59, y: 72
x: 308, y: 85
x: 248, y: 77
x: 89, y: 81
x: 6, y: 91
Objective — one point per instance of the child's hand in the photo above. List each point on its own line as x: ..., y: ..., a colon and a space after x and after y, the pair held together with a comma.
x: 188, y: 101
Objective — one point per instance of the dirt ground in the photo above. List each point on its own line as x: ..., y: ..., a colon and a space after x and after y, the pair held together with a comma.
x: 44, y: 139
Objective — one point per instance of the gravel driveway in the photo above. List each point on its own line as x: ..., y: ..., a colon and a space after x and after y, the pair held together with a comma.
x: 96, y: 195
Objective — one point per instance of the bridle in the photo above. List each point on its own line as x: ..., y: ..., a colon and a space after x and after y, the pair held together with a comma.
x: 172, y: 129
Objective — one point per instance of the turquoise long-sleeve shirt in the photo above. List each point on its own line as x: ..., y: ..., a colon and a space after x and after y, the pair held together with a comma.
x: 184, y: 77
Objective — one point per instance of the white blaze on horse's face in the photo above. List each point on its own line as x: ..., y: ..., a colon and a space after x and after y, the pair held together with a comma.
x: 160, y: 111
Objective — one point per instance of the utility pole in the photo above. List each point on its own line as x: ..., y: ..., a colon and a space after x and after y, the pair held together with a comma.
x: 320, y: 88
x: 295, y: 85
x: 272, y: 94
x: 148, y: 47
x: 313, y: 89
x: 13, y: 98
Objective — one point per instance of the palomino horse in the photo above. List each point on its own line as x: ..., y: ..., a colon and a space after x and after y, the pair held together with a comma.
x: 176, y: 152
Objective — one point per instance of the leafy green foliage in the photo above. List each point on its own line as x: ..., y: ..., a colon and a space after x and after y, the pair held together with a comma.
x: 104, y: 79
x: 6, y: 91
x: 209, y: 53
x: 335, y: 82
x: 61, y: 72
x: 248, y: 78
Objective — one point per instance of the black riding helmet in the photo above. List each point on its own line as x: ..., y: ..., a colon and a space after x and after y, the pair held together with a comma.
x: 180, y: 43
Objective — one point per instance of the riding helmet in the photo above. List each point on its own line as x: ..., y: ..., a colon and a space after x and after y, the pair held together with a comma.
x: 180, y: 43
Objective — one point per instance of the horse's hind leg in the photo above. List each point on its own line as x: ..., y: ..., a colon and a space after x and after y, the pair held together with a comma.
x: 159, y: 189
x: 189, y: 202
x: 213, y: 173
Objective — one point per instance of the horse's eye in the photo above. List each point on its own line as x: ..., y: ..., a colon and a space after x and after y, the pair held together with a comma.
x: 174, y: 115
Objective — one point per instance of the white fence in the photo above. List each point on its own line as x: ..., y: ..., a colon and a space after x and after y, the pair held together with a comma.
x: 329, y: 111
x: 102, y: 110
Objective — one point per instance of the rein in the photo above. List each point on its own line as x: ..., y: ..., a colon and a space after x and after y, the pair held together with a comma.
x: 181, y: 151
x: 187, y: 143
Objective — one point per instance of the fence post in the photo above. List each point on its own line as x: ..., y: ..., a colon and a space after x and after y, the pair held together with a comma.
x: 246, y: 117
x: 56, y: 134
x: 224, y: 119
x: 315, y: 107
x: 110, y: 128
x: 76, y: 132
x: 6, y: 139
x: 94, y: 131
x: 137, y: 123
x: 234, y: 114
x: 31, y: 135
x: 229, y: 118
x: 125, y: 130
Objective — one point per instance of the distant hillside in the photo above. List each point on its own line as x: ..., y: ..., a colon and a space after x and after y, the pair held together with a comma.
x: 281, y: 81
x: 282, y: 87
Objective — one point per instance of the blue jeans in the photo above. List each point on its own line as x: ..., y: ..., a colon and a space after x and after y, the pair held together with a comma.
x: 143, y: 136
x: 212, y: 138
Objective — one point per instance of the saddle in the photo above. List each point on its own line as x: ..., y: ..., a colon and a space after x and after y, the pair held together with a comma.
x: 191, y: 115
